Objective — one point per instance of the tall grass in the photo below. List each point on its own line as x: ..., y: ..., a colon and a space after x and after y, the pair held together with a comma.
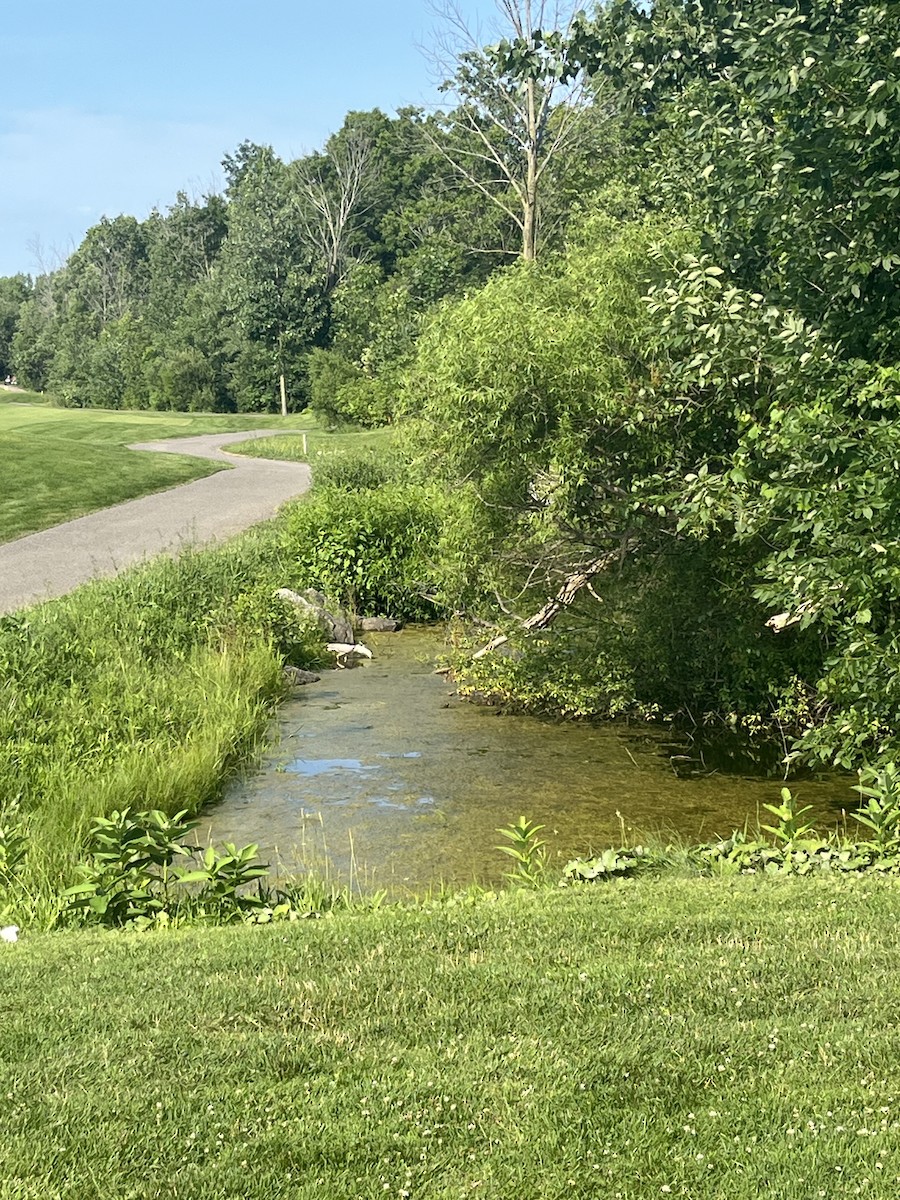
x: 142, y: 690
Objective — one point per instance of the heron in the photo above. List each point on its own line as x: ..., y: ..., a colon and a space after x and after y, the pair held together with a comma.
x: 347, y: 651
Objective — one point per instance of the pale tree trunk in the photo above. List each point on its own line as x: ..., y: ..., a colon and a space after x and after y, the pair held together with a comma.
x: 283, y: 394
x: 513, y: 131
x: 530, y: 192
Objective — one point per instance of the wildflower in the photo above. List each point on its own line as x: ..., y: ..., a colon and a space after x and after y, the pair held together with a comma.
x: 9, y: 933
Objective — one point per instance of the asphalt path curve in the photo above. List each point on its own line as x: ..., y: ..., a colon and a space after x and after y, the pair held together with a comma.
x: 44, y: 565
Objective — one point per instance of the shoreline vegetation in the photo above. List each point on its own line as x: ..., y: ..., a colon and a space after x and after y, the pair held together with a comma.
x: 128, y: 703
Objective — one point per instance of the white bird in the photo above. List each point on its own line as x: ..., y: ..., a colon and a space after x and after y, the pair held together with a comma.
x: 9, y: 933
x: 347, y: 650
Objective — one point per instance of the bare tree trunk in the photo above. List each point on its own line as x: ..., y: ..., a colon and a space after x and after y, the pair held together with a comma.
x: 333, y: 189
x: 283, y: 394
x: 530, y: 192
x: 509, y: 140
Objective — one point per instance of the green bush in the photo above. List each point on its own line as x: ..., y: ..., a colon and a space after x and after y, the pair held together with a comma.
x: 341, y: 392
x: 371, y: 550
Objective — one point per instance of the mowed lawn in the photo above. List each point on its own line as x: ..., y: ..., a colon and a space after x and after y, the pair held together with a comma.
x: 56, y: 463
x: 290, y: 446
x: 712, y: 1039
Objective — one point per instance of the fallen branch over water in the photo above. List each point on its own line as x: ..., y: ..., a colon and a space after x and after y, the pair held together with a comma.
x: 571, y: 586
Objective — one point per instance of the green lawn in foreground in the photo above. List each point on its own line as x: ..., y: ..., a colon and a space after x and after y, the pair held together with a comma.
x: 701, y: 1038
x: 56, y: 464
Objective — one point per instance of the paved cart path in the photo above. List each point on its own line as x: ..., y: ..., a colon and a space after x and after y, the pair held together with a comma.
x: 43, y: 565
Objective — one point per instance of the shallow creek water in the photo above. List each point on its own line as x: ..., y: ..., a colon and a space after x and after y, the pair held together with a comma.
x: 381, y: 775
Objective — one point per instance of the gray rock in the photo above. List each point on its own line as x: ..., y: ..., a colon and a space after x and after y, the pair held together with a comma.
x: 335, y: 625
x: 379, y: 625
x: 296, y: 676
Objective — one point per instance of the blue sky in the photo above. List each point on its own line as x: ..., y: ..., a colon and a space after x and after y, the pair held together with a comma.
x: 112, y: 107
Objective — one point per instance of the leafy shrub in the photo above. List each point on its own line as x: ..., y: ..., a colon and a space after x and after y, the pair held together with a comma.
x: 130, y: 877
x: 881, y: 812
x: 341, y: 392
x: 128, y: 874
x: 373, y: 551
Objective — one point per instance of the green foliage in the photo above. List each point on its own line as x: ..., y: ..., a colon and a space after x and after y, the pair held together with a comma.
x: 790, y: 827
x: 32, y: 347
x: 794, y: 847
x: 128, y: 875
x: 267, y: 268
x: 225, y: 879
x: 530, y: 390
x: 340, y: 392
x: 609, y: 864
x: 144, y: 690
x: 15, y: 291
x: 573, y: 673
x: 802, y: 482
x: 357, y: 470
x: 528, y: 852
x: 880, y: 788
x: 781, y: 122
x: 372, y: 550
x: 293, y: 635
x: 13, y: 848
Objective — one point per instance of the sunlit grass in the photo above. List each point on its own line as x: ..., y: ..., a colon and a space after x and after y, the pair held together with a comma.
x: 144, y: 690
x: 293, y: 447
x: 697, y: 1038
x: 56, y: 464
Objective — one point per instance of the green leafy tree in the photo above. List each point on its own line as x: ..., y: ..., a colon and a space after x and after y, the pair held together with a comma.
x: 517, y: 111
x: 781, y: 123
x: 32, y: 347
x: 15, y: 291
x: 268, y: 273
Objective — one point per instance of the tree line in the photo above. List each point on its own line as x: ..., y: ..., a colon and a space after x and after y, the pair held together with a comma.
x: 308, y: 277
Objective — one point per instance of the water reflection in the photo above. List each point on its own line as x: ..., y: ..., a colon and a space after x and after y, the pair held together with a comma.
x: 383, y: 772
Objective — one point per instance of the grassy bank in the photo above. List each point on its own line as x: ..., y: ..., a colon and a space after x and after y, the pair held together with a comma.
x: 57, y: 463
x: 142, y: 690
x: 675, y: 1037
x: 148, y: 689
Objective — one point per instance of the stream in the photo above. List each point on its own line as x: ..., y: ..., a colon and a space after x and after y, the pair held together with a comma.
x: 381, y: 776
